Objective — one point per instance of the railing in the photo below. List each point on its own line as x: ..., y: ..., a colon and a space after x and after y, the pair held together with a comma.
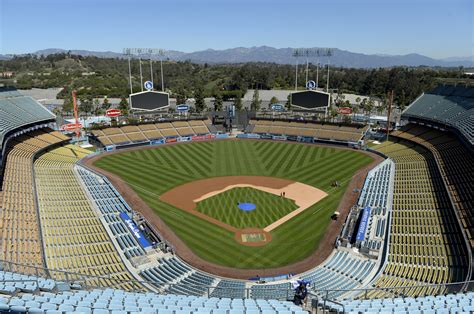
x: 323, y: 297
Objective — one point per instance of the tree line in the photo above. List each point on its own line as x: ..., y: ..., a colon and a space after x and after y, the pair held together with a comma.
x: 94, y: 77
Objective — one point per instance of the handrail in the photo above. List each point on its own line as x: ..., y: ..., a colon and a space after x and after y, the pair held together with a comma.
x: 314, y: 298
x: 85, y: 282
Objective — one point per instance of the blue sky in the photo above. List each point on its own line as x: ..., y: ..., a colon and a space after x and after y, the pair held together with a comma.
x: 436, y: 28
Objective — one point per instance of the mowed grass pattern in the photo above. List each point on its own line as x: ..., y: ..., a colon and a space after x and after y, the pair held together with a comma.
x: 151, y: 172
x: 224, y: 207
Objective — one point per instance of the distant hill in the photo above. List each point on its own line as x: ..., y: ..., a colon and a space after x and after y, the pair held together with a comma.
x: 340, y: 57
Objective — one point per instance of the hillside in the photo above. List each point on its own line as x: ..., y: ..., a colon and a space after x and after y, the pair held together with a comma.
x: 340, y: 58
x: 98, y: 77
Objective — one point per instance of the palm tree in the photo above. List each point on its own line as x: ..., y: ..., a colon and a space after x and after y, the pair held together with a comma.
x: 369, y: 107
x: 355, y: 110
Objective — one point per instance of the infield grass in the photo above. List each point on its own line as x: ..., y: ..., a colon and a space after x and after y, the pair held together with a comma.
x: 151, y: 172
x: 223, y: 207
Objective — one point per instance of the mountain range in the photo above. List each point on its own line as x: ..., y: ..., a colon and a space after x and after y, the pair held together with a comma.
x: 339, y: 57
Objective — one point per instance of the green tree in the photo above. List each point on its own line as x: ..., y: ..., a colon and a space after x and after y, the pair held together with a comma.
x: 355, y: 111
x: 106, y: 105
x: 369, y: 107
x: 68, y: 106
x: 333, y: 113
x: 340, y: 99
x: 402, y: 101
x: 86, y: 105
x: 256, y: 101
x: 57, y: 111
x: 363, y: 105
x: 199, y: 98
x: 382, y: 104
x: 180, y: 96
x: 288, y: 102
x: 274, y: 100
x: 218, y: 101
x: 238, y: 103
x: 123, y: 106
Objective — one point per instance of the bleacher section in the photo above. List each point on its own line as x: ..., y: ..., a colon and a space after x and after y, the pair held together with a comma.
x: 17, y: 111
x: 426, y: 245
x: 131, y: 134
x: 446, y: 105
x: 20, y: 235
x: 315, y: 130
x: 74, y: 238
x: 456, y: 166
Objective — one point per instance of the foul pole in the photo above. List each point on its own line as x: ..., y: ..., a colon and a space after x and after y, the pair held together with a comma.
x: 389, y: 111
x: 78, y: 133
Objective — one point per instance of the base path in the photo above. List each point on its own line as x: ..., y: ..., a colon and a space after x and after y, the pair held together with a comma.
x: 186, y: 195
x: 304, y: 195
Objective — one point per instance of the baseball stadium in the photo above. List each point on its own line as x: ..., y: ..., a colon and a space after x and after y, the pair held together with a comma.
x: 178, y: 215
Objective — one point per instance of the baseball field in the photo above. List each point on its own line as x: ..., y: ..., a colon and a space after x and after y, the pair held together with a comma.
x: 197, y: 188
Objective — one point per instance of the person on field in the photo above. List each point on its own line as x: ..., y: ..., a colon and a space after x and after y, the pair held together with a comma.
x: 300, y: 294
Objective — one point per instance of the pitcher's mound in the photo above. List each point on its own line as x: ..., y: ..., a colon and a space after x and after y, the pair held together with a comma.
x: 253, y: 237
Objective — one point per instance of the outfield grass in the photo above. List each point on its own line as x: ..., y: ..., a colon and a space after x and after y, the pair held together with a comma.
x: 223, y: 207
x: 151, y: 172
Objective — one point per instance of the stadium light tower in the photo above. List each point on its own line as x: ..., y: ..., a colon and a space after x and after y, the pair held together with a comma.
x: 327, y: 53
x: 303, y: 52
x: 148, y: 52
x: 307, y: 53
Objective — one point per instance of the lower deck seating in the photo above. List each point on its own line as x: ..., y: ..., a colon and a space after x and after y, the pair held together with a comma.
x: 74, y: 238
x: 195, y: 284
x: 178, y: 278
x: 281, y: 291
x: 342, y: 271
x: 111, y: 204
x: 230, y: 289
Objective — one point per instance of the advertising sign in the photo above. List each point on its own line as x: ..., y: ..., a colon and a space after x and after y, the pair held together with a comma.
x: 135, y: 231
x: 363, y: 224
x: 171, y: 140
x: 344, y: 110
x: 113, y: 113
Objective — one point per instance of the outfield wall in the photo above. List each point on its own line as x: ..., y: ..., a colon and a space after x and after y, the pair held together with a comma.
x: 291, y: 138
x: 167, y: 140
